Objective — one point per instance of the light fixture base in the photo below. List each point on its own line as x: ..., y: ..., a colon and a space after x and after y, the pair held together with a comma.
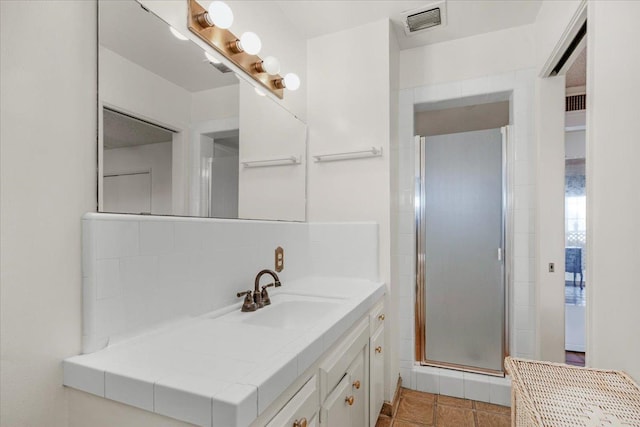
x: 222, y: 41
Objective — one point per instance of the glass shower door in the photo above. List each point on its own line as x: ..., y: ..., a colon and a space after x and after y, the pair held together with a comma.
x: 461, y: 235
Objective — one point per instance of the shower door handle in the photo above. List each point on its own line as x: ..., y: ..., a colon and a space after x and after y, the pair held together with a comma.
x: 500, y: 254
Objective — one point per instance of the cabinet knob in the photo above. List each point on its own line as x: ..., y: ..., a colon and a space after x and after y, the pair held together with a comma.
x: 300, y: 423
x: 356, y: 384
x: 381, y: 317
x: 349, y: 400
x: 379, y: 349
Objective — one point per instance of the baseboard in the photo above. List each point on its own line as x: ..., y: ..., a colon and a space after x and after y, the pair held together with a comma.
x: 389, y: 408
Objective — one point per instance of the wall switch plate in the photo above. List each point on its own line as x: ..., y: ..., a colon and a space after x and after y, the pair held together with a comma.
x: 552, y: 267
x: 279, y: 259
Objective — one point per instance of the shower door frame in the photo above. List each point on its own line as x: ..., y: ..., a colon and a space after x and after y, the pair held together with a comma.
x: 505, y: 253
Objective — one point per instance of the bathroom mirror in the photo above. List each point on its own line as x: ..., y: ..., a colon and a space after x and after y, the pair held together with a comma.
x: 182, y: 134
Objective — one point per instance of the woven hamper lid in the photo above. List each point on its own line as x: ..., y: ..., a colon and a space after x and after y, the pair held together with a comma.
x: 563, y: 395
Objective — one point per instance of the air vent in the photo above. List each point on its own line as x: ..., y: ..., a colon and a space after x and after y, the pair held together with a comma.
x: 221, y: 67
x: 425, y: 18
x: 576, y: 102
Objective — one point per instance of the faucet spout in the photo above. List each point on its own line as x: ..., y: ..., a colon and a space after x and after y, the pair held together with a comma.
x: 261, y: 298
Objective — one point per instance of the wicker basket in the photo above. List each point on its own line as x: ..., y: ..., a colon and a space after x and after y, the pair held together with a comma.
x: 557, y: 395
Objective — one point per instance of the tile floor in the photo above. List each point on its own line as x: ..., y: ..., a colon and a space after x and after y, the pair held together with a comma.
x: 418, y: 409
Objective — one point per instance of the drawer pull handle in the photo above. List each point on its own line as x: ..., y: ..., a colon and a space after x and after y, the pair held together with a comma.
x: 379, y: 349
x: 356, y: 384
x: 301, y: 423
x: 349, y: 400
x: 381, y: 317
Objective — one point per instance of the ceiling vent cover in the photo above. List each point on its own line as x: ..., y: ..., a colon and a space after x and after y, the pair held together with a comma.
x: 417, y: 20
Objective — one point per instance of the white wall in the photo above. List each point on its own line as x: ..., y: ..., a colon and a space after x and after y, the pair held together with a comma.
x: 219, y: 103
x: 268, y: 132
x: 48, y: 180
x: 575, y: 146
x: 155, y: 158
x: 498, y: 62
x: 550, y: 221
x: 461, y: 59
x: 613, y: 202
x: 551, y: 24
x: 349, y: 109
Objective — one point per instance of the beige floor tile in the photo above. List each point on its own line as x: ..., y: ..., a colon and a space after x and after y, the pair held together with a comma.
x: 383, y: 421
x: 488, y: 407
x: 492, y: 419
x: 450, y: 416
x: 454, y: 401
x: 401, y: 423
x: 416, y: 410
x: 418, y: 394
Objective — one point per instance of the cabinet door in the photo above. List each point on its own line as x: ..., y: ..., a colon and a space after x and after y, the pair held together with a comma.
x: 302, y: 407
x: 336, y: 411
x: 359, y: 384
x: 376, y: 375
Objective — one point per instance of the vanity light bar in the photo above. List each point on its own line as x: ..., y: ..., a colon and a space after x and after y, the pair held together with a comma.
x: 226, y: 43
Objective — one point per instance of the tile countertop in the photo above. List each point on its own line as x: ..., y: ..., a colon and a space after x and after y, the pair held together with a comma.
x: 224, y: 368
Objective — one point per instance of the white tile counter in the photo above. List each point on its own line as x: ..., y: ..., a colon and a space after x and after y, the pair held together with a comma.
x: 226, y: 367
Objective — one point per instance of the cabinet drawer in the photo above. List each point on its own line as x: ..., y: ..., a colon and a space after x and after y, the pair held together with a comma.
x: 376, y: 316
x: 335, y: 365
x: 301, y: 409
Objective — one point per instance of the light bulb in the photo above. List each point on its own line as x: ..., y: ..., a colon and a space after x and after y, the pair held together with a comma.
x: 250, y: 43
x: 291, y: 81
x: 176, y: 34
x: 220, y: 14
x: 260, y: 92
x: 211, y: 58
x: 271, y: 65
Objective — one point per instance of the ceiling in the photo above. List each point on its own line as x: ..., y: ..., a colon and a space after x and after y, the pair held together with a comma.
x: 464, y: 17
x: 577, y: 73
x: 123, y: 131
x: 139, y: 36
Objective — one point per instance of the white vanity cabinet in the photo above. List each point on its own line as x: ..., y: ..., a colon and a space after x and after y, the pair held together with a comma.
x: 376, y: 362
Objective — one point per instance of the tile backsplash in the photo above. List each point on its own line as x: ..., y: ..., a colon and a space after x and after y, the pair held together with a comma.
x: 141, y: 271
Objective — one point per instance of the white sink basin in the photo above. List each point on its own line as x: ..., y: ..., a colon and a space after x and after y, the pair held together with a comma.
x: 289, y: 311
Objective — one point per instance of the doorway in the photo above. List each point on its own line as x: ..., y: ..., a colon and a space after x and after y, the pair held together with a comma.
x: 575, y: 280
x: 461, y: 214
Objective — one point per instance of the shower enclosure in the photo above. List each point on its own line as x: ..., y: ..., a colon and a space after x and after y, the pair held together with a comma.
x: 460, y: 218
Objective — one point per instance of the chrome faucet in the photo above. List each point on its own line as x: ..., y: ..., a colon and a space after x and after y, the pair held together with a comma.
x: 260, y: 298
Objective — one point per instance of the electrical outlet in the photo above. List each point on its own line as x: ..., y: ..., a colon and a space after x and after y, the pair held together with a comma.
x: 279, y: 259
x: 552, y: 267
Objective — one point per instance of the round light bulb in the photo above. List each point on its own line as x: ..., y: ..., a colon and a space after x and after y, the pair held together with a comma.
x: 220, y: 14
x: 176, y: 34
x: 291, y: 81
x: 250, y: 43
x: 260, y: 92
x: 211, y: 58
x: 271, y: 65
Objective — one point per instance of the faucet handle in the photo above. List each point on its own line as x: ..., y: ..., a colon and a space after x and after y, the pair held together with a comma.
x: 248, y: 304
x: 265, y: 295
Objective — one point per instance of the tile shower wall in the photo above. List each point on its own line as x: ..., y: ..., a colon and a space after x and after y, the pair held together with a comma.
x: 522, y: 174
x: 141, y: 271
